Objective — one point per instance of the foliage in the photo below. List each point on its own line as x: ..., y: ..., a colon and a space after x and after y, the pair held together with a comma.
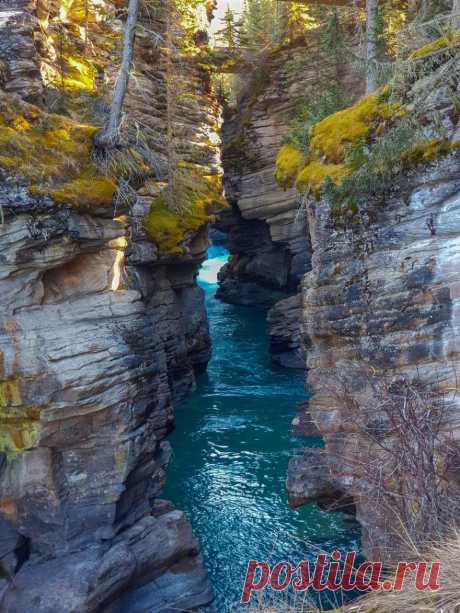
x: 308, y: 114
x: 228, y: 35
x: 264, y: 23
x: 331, y: 35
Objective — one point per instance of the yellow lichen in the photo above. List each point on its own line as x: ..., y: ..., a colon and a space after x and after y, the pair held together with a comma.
x: 195, y: 199
x: 315, y: 173
x: 19, y: 423
x: 289, y: 162
x: 443, y: 42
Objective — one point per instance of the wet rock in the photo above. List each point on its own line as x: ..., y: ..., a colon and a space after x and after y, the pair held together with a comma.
x: 284, y: 331
x: 309, y: 478
x: 303, y: 425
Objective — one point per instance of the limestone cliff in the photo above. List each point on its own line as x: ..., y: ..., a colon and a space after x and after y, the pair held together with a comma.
x: 381, y: 304
x: 101, y: 325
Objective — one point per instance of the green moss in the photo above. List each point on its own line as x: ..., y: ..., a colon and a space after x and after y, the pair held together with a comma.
x: 195, y: 199
x: 443, y: 42
x: 424, y: 151
x: 289, y: 162
x: 51, y: 155
x: 82, y: 193
x: 333, y: 135
x: 315, y: 173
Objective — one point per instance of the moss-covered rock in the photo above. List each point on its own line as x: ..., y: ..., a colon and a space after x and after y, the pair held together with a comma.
x: 50, y: 154
x: 333, y: 135
x: 443, y: 42
x: 289, y: 162
x: 330, y: 141
x: 187, y: 208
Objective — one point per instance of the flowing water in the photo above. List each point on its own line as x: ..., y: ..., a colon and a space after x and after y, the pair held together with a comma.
x: 231, y: 449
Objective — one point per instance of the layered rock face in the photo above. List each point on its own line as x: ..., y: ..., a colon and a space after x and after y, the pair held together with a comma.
x: 100, y: 334
x: 381, y: 301
x: 267, y: 226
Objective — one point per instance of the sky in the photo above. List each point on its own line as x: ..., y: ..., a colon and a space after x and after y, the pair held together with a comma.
x: 235, y: 5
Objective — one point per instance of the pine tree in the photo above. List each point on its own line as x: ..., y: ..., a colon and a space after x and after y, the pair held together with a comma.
x: 372, y: 13
x: 264, y: 23
x: 228, y: 35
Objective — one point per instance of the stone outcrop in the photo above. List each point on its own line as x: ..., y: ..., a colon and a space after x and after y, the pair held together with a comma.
x: 286, y: 345
x: 380, y: 301
x: 100, y: 335
x: 266, y: 234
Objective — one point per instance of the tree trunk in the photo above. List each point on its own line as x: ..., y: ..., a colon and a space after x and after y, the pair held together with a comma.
x: 456, y: 13
x: 109, y: 136
x: 372, y: 12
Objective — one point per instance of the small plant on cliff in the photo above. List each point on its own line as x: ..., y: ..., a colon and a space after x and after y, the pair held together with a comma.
x: 308, y: 113
x: 404, y: 454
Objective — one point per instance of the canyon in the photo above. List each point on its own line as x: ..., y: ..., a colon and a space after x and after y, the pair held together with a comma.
x: 103, y: 327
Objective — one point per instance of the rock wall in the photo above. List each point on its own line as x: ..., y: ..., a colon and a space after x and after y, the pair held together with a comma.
x: 381, y: 301
x: 267, y: 225
x: 100, y: 330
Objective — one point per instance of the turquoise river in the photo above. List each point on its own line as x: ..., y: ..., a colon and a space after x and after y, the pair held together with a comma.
x: 232, y: 445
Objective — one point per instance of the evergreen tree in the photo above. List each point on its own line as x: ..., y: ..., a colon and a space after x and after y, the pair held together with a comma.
x: 228, y: 35
x: 264, y: 23
x: 372, y: 14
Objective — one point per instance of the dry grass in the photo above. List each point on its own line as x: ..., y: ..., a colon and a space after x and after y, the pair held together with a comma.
x: 445, y: 600
x: 408, y: 600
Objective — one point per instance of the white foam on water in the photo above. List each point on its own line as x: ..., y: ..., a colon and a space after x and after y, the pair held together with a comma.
x: 210, y: 269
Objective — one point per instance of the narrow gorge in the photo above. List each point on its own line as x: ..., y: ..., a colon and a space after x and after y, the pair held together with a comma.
x: 211, y: 332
